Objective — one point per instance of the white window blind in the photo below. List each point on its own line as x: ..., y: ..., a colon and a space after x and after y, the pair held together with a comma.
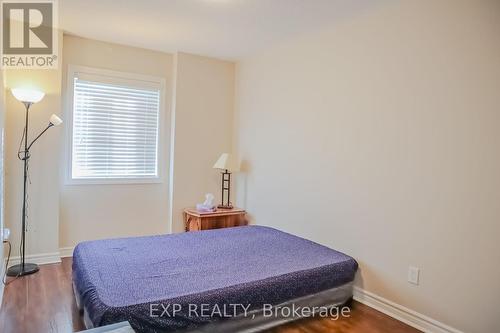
x: 115, y: 130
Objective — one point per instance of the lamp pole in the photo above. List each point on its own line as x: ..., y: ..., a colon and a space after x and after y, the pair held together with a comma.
x: 25, y: 177
x: 226, y: 187
x: 26, y: 268
x: 23, y: 268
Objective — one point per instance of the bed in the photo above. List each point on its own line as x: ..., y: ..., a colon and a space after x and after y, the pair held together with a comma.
x: 136, y: 279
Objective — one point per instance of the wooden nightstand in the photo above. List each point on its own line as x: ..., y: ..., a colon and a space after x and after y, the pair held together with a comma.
x: 221, y: 218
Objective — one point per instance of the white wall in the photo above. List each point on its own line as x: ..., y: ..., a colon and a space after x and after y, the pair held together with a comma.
x: 378, y: 136
x: 201, y: 92
x: 204, y: 104
x: 104, y: 211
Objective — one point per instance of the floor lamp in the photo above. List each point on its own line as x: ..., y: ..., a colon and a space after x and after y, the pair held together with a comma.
x: 28, y: 98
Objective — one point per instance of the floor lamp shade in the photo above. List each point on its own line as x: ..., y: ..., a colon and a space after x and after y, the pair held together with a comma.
x: 27, y: 95
x: 55, y: 120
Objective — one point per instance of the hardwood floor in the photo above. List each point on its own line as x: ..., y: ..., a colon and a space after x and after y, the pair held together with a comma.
x: 44, y: 303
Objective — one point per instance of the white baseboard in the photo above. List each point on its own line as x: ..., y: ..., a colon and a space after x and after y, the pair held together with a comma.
x: 39, y: 259
x: 401, y: 313
x: 66, y: 252
x: 44, y: 258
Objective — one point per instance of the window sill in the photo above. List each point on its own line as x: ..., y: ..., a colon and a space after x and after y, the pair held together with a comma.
x: 114, y: 181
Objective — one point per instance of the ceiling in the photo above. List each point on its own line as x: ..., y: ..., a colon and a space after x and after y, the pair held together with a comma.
x: 229, y: 29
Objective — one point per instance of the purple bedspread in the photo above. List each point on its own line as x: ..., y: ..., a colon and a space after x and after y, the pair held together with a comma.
x: 119, y: 279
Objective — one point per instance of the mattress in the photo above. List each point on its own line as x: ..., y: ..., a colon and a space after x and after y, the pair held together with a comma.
x: 252, y: 266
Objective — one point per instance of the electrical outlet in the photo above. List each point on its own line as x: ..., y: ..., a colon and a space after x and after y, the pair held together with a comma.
x: 5, y: 234
x: 413, y: 275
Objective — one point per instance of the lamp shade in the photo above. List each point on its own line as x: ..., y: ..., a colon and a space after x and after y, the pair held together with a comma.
x: 226, y: 162
x: 27, y: 95
x: 55, y: 120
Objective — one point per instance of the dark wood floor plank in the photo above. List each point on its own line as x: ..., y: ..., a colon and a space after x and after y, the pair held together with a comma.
x: 44, y: 302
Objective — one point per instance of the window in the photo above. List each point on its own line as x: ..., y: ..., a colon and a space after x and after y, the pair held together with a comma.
x: 115, y: 126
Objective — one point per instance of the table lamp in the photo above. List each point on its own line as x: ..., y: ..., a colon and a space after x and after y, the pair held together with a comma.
x: 227, y: 164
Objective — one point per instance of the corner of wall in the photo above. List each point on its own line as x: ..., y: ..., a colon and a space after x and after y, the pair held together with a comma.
x: 172, y: 146
x: 202, y: 112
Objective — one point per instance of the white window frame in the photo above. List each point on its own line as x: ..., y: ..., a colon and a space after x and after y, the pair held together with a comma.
x: 115, y: 77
